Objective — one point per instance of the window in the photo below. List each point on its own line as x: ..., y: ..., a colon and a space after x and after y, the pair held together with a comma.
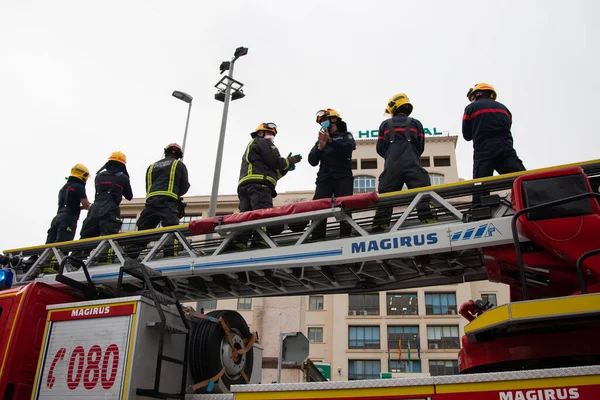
x: 368, y: 163
x: 443, y: 337
x: 354, y: 164
x: 315, y: 302
x: 363, y: 304
x: 490, y: 298
x: 188, y: 218
x: 443, y: 367
x: 363, y: 337
x: 244, y: 303
x: 425, y: 162
x: 363, y: 369
x: 315, y: 335
x: 405, y: 366
x: 402, y: 304
x: 206, y: 305
x: 404, y: 334
x: 128, y: 224
x: 440, y: 303
x: 441, y: 161
x: 436, y: 179
x: 364, y: 184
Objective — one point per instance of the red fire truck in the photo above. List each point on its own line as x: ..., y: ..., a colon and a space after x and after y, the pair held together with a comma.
x: 118, y: 330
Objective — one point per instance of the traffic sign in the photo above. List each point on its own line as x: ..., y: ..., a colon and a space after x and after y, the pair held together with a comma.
x: 295, y: 348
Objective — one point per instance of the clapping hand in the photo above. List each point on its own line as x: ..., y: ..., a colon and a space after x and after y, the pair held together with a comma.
x: 323, y: 138
x: 293, y: 160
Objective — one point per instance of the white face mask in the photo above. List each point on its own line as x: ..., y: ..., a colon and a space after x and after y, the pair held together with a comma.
x: 270, y: 137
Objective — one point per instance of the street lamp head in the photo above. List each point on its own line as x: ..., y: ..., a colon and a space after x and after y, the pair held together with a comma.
x: 224, y: 66
x: 220, y: 96
x: 183, y: 96
x: 238, y: 94
x: 239, y: 52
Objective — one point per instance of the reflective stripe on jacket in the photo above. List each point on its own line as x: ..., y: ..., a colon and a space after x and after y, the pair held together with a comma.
x: 262, y: 163
x: 167, y: 177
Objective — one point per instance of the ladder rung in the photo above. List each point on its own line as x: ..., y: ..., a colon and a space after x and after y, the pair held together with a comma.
x: 137, y: 271
x: 172, y: 360
x: 168, y: 327
x: 162, y: 298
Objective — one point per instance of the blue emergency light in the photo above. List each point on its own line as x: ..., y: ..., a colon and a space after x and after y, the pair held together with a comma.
x: 6, y: 278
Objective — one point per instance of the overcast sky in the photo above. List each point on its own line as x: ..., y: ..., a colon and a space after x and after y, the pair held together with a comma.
x: 80, y: 79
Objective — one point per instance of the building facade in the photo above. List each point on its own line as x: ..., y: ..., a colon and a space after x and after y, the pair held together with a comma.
x: 357, y: 336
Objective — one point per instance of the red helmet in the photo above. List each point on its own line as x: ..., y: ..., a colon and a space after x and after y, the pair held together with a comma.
x: 174, y: 148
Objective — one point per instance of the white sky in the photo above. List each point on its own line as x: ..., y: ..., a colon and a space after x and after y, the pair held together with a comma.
x: 80, y: 79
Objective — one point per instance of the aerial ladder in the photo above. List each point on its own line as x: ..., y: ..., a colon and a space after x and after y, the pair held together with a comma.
x: 535, y: 231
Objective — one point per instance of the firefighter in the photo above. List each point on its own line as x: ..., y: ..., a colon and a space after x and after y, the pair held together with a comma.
x: 166, y: 182
x: 487, y: 123
x: 262, y: 166
x: 72, y: 198
x: 401, y: 141
x: 112, y: 184
x: 333, y: 154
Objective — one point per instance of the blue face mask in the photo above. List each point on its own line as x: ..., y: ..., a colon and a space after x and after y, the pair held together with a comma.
x: 325, y: 124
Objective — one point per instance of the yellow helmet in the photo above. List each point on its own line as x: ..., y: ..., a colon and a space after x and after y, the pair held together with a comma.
x: 80, y: 171
x: 397, y: 101
x: 484, y: 86
x: 327, y: 113
x: 266, y: 126
x: 118, y: 156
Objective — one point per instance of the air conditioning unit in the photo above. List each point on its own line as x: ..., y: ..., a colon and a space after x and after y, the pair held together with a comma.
x: 451, y: 312
x: 352, y: 312
x: 435, y: 346
x: 364, y: 312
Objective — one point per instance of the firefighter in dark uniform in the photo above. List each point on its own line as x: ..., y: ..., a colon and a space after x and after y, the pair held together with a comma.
x: 112, y: 184
x: 333, y: 154
x: 262, y: 166
x: 401, y: 141
x: 71, y: 200
x: 487, y: 123
x: 166, y: 182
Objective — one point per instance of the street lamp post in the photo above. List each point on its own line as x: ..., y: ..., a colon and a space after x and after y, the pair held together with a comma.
x: 224, y: 95
x: 188, y: 99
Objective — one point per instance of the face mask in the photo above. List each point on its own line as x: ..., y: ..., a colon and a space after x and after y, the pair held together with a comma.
x: 325, y: 124
x: 269, y: 137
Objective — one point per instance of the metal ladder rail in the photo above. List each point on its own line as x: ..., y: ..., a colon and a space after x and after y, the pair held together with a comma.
x: 452, y: 211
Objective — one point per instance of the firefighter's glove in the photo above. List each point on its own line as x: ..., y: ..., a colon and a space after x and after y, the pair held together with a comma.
x: 295, y: 159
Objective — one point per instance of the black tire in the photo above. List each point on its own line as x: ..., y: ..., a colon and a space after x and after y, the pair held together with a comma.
x: 209, y: 348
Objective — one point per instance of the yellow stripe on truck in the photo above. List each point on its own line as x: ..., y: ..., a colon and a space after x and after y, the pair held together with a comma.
x: 489, y: 318
x: 338, y: 393
x: 524, y: 384
x: 584, y: 304
x: 536, y: 310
